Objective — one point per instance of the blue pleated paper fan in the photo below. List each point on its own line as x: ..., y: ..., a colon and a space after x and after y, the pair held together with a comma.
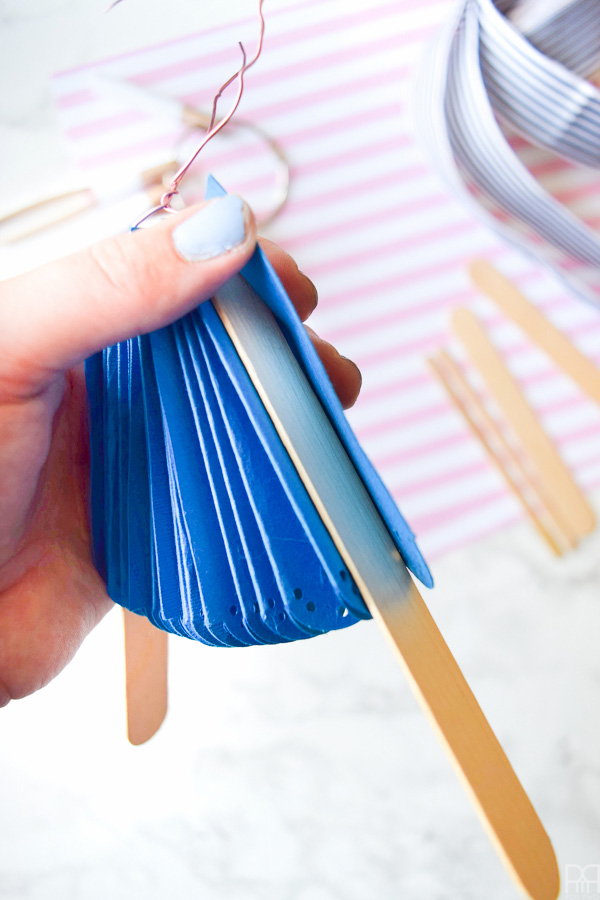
x: 200, y: 520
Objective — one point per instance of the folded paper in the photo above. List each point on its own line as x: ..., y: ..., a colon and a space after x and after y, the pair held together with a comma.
x: 200, y: 520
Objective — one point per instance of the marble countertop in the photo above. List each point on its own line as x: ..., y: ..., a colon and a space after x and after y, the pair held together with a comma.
x: 297, y: 772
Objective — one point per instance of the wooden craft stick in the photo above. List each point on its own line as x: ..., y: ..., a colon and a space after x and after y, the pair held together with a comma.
x: 145, y: 677
x: 368, y: 551
x: 478, y: 758
x: 560, y: 490
x: 542, y: 332
x: 595, y: 77
x: 41, y: 214
x: 500, y: 452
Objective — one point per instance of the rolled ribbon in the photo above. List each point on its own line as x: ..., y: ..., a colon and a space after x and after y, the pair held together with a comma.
x: 480, y: 71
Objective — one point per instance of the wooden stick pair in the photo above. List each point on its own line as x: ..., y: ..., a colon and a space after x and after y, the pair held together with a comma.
x: 532, y: 467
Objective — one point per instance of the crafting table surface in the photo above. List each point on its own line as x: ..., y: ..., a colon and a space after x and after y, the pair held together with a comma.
x: 300, y: 772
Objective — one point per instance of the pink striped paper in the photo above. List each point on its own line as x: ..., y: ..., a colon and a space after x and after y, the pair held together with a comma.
x: 368, y: 220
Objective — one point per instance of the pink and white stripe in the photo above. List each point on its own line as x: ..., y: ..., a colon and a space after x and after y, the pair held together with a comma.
x: 368, y: 220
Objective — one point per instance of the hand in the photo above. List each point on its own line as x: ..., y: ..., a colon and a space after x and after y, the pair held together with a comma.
x: 50, y: 320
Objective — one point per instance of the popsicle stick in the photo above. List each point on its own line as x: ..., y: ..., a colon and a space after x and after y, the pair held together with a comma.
x: 595, y: 77
x: 478, y: 758
x: 367, y: 549
x: 41, y: 214
x: 542, y: 332
x: 500, y: 452
x: 560, y: 489
x: 145, y: 677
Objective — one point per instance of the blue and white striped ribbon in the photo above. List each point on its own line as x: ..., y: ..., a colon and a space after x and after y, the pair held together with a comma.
x: 481, y: 71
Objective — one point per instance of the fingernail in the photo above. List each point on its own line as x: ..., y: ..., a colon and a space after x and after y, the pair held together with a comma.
x: 216, y: 228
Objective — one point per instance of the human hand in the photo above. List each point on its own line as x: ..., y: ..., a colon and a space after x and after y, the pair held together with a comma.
x: 51, y: 319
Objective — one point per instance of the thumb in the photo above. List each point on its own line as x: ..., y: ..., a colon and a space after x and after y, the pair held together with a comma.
x: 57, y: 315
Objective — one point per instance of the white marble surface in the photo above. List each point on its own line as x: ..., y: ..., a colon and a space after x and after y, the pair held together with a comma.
x: 301, y: 772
